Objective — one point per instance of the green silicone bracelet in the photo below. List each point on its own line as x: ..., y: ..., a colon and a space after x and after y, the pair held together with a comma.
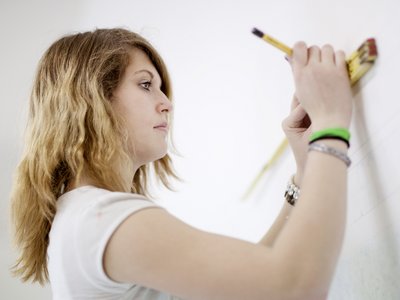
x: 331, y: 132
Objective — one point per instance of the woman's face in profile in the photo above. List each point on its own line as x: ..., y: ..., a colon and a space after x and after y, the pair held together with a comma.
x: 144, y: 107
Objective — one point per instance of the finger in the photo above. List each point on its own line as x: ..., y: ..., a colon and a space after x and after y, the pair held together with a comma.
x: 295, y: 119
x: 288, y: 59
x: 300, y: 118
x: 295, y: 103
x: 298, y: 114
x: 314, y: 54
x: 299, y: 56
x: 327, y: 54
x: 340, y: 59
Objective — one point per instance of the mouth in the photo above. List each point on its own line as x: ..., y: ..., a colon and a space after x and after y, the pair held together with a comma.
x: 162, y: 126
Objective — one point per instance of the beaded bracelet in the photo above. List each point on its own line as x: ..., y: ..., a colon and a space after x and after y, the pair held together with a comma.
x: 292, y: 192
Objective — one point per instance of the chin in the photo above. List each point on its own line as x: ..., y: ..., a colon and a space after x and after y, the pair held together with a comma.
x: 159, y: 156
x: 163, y: 155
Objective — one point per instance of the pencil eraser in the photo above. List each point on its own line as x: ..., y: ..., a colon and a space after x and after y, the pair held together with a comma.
x: 257, y: 32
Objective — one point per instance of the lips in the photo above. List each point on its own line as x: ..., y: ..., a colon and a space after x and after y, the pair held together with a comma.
x: 162, y: 125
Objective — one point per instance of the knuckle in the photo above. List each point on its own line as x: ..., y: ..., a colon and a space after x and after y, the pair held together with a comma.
x: 300, y: 45
x: 340, y: 53
x: 327, y: 47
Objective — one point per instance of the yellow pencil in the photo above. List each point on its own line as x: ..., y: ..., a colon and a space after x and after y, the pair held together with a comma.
x: 274, y: 42
x: 278, y: 153
x: 359, y: 62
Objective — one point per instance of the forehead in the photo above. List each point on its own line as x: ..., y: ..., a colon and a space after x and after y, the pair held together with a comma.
x: 139, y: 61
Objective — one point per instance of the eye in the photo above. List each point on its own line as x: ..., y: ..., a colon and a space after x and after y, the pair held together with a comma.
x: 146, y: 85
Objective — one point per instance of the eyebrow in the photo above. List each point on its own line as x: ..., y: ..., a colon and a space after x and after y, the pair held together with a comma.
x: 146, y: 71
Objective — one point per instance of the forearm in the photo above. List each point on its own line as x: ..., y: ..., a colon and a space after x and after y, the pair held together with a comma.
x: 272, y: 234
x: 269, y: 238
x: 310, y: 243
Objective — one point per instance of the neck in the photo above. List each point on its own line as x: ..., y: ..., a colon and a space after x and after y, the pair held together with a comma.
x: 86, y: 179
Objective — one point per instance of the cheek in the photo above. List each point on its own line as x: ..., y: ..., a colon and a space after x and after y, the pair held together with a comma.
x: 136, y: 114
x: 138, y: 124
x: 128, y: 118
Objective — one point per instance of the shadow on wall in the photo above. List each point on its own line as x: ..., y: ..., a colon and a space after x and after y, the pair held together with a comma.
x: 383, y: 219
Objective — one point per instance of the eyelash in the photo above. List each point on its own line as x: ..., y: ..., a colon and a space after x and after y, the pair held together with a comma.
x: 146, y: 83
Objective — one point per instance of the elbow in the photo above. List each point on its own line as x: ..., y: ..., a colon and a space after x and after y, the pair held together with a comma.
x: 303, y: 289
x: 307, y: 294
x: 304, y: 286
x: 304, y: 279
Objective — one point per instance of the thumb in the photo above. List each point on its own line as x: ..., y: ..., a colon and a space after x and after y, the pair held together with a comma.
x: 295, y: 103
x: 297, y: 114
x: 297, y: 119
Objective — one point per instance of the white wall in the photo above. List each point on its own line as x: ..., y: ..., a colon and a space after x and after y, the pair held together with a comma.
x: 231, y: 92
x: 26, y: 29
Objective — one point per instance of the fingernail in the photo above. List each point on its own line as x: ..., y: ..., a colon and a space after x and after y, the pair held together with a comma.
x: 288, y: 59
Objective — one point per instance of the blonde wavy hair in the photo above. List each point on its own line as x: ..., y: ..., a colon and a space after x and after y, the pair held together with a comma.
x: 72, y: 126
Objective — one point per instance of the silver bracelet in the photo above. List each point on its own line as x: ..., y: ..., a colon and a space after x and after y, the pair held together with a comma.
x: 292, y: 192
x: 330, y: 150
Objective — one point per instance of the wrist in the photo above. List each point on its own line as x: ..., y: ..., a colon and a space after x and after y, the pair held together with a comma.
x: 292, y: 192
x: 340, y: 145
x: 339, y: 133
x: 329, y: 123
x: 298, y: 178
x: 334, y: 148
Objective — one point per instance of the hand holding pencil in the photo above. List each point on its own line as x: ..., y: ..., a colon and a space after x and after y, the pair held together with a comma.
x: 322, y: 85
x: 358, y: 63
x: 355, y: 67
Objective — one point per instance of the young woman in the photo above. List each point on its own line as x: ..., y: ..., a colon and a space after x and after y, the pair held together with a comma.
x: 100, y: 115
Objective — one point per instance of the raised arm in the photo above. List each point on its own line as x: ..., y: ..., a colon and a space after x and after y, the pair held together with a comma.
x: 323, y: 90
x: 279, y: 223
x: 154, y: 249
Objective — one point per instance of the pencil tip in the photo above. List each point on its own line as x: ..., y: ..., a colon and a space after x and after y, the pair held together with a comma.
x: 257, y: 32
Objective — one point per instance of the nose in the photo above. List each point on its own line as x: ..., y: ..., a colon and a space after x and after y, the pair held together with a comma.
x: 165, y: 104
